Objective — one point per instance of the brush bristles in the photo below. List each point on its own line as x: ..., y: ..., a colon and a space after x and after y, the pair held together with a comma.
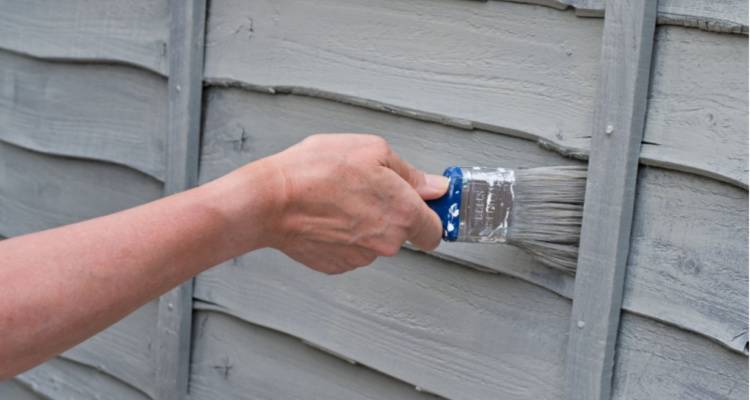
x: 547, y: 213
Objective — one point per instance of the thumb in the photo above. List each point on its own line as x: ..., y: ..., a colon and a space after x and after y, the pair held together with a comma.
x: 432, y: 186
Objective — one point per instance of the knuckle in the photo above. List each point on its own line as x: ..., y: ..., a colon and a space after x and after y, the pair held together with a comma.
x: 381, y: 145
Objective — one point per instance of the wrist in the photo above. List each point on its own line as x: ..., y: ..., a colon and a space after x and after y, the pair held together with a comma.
x: 249, y: 201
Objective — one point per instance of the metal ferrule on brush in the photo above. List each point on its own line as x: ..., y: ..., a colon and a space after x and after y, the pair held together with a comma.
x: 486, y: 204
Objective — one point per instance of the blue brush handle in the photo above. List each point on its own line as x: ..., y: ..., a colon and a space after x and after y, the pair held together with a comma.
x: 448, y: 206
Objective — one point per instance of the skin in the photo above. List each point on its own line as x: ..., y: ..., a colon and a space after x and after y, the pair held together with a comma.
x: 331, y: 202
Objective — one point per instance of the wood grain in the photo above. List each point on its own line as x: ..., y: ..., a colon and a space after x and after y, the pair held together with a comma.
x: 60, y: 379
x: 125, y: 350
x: 133, y: 32
x: 235, y: 359
x: 619, y: 120
x: 15, y: 390
x: 104, y: 112
x: 39, y: 191
x: 459, y: 333
x: 698, y: 107
x: 728, y: 16
x: 689, y: 255
x: 517, y: 69
x: 186, y: 41
x: 530, y: 71
x: 656, y: 361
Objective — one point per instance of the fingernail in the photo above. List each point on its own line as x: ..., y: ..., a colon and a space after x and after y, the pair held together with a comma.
x: 437, y: 183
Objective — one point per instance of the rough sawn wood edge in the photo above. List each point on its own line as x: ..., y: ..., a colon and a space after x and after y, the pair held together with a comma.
x: 186, y: 51
x: 619, y: 121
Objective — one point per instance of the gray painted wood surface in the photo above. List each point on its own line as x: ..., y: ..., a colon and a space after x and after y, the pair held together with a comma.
x: 61, y: 379
x: 529, y: 71
x: 656, y: 361
x: 242, y: 126
x: 125, y: 350
x: 237, y: 360
x: 459, y: 333
x: 619, y: 120
x: 513, y: 68
x: 728, y: 16
x: 133, y: 31
x: 15, y: 390
x: 186, y: 41
x: 104, y: 112
x: 39, y: 191
x: 689, y: 255
x: 698, y: 104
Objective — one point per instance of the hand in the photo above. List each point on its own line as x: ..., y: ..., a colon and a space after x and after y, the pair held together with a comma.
x: 346, y: 199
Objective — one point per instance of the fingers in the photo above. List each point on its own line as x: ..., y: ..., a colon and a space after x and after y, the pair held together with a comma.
x: 426, y: 230
x: 422, y: 226
x: 428, y: 186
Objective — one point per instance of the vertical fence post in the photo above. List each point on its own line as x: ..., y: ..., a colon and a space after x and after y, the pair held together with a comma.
x: 186, y: 50
x: 619, y: 120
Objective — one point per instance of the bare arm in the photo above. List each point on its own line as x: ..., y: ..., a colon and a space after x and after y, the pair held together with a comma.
x: 332, y: 202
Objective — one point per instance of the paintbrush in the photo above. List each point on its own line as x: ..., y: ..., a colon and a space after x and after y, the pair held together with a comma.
x: 538, y: 210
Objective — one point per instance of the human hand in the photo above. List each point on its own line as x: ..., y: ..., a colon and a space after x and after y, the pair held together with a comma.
x: 345, y: 199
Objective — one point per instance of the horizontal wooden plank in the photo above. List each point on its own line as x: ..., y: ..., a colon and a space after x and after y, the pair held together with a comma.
x: 698, y: 106
x: 104, y: 112
x: 656, y: 361
x: 524, y: 70
x: 125, y: 350
x: 242, y: 126
x: 15, y: 390
x: 60, y: 379
x: 459, y: 333
x: 728, y: 16
x: 133, y: 31
x: 39, y: 191
x: 234, y: 359
x: 689, y: 255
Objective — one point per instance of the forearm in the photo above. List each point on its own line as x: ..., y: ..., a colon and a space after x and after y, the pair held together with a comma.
x: 62, y: 285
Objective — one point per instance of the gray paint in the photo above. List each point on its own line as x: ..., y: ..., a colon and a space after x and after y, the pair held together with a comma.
x: 619, y: 119
x: 187, y: 27
x: 15, y: 390
x: 530, y: 71
x: 456, y: 332
x: 728, y: 16
x: 61, y: 379
x: 697, y: 106
x: 125, y: 350
x: 105, y: 112
x: 688, y: 259
x: 234, y: 359
x: 132, y: 31
x: 656, y: 361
